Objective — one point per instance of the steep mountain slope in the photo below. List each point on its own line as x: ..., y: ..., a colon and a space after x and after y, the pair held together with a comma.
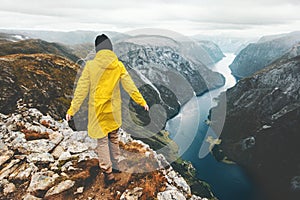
x: 162, y: 53
x: 199, y: 52
x: 32, y: 46
x: 44, y: 81
x: 261, y: 130
x: 258, y: 55
x: 213, y: 50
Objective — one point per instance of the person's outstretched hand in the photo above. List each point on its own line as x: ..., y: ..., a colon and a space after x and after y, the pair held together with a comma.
x: 146, y: 107
x: 68, y: 117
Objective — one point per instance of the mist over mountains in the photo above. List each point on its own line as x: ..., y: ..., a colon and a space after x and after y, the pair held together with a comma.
x: 70, y: 38
x: 258, y: 55
x: 226, y: 43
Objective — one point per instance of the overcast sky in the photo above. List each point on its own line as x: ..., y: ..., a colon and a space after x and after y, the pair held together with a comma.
x: 189, y: 17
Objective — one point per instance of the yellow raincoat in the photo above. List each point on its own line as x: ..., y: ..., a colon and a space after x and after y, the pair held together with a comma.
x: 100, y: 78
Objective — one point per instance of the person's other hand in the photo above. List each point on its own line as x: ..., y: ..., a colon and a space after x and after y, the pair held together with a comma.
x: 68, y: 117
x: 146, y: 107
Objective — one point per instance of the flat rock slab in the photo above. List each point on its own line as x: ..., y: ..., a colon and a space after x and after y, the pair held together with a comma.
x: 42, y: 181
x: 61, y: 187
x: 40, y: 158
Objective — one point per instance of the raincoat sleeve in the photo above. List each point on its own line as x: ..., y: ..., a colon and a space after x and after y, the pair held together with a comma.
x: 81, y: 91
x: 130, y: 87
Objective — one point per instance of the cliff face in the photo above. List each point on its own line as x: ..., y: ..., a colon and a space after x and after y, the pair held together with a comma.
x: 258, y: 55
x: 42, y: 80
x: 261, y: 130
x: 154, y: 60
x: 213, y: 50
x: 44, y: 159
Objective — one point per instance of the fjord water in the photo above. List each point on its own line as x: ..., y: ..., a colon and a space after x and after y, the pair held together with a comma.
x: 189, y: 130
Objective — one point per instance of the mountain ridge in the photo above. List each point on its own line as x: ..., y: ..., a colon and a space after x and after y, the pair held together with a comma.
x: 33, y: 46
x: 261, y: 128
x: 258, y: 55
x: 65, y: 37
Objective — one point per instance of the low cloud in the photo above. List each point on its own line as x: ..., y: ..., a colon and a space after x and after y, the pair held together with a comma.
x: 188, y: 17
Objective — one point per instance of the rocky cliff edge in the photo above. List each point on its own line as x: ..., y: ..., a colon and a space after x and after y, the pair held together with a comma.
x: 45, y: 159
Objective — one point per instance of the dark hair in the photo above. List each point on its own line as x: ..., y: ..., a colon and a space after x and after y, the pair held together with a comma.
x: 103, y: 42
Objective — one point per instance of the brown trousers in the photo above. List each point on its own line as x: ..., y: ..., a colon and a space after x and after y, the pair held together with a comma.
x: 108, y: 151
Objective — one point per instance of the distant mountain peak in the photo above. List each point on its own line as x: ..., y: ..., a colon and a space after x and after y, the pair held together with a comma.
x: 258, y: 55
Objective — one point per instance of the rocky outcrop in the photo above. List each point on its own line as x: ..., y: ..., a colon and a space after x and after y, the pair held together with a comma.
x: 67, y: 166
x: 261, y: 130
x: 35, y: 46
x: 43, y: 81
x: 258, y: 55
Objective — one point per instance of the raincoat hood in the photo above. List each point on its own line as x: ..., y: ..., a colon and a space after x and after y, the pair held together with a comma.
x: 106, y: 59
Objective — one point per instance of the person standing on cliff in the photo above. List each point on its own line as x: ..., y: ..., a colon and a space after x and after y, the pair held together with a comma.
x: 101, y: 78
